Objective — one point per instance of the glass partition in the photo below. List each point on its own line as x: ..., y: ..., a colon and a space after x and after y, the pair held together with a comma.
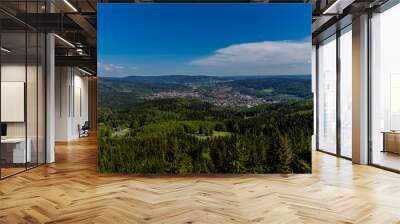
x: 22, y: 88
x: 14, y: 153
x: 327, y: 95
x: 346, y: 92
x: 385, y: 89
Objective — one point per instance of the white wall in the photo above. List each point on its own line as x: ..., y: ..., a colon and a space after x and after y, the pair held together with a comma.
x: 80, y: 112
x: 71, y: 102
x: 62, y: 82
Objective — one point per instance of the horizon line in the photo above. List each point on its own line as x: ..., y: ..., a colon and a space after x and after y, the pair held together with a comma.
x: 202, y: 75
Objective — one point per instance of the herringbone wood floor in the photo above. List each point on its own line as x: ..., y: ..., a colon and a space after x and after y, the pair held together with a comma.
x: 70, y: 191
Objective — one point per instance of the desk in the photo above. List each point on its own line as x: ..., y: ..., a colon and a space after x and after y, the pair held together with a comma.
x: 391, y: 141
x: 13, y: 150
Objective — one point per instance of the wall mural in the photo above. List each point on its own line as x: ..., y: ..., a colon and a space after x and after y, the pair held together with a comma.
x: 204, y: 88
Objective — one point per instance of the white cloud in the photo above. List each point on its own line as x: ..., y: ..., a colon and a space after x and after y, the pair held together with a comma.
x: 110, y: 67
x: 291, y: 57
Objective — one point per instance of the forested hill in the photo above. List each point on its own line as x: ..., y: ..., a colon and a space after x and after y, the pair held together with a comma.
x: 297, y: 86
x: 184, y: 136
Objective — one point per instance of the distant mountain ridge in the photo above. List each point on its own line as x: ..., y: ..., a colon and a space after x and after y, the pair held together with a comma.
x: 200, y: 78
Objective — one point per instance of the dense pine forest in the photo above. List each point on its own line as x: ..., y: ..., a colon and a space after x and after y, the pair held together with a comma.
x: 185, y: 125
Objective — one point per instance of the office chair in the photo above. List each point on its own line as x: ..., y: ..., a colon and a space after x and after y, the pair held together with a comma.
x: 84, y: 130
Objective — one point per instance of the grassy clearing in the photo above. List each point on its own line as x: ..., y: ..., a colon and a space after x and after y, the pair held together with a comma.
x: 267, y: 90
x: 214, y: 135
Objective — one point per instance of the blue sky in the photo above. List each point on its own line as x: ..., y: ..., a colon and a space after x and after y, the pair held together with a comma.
x: 204, y: 39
